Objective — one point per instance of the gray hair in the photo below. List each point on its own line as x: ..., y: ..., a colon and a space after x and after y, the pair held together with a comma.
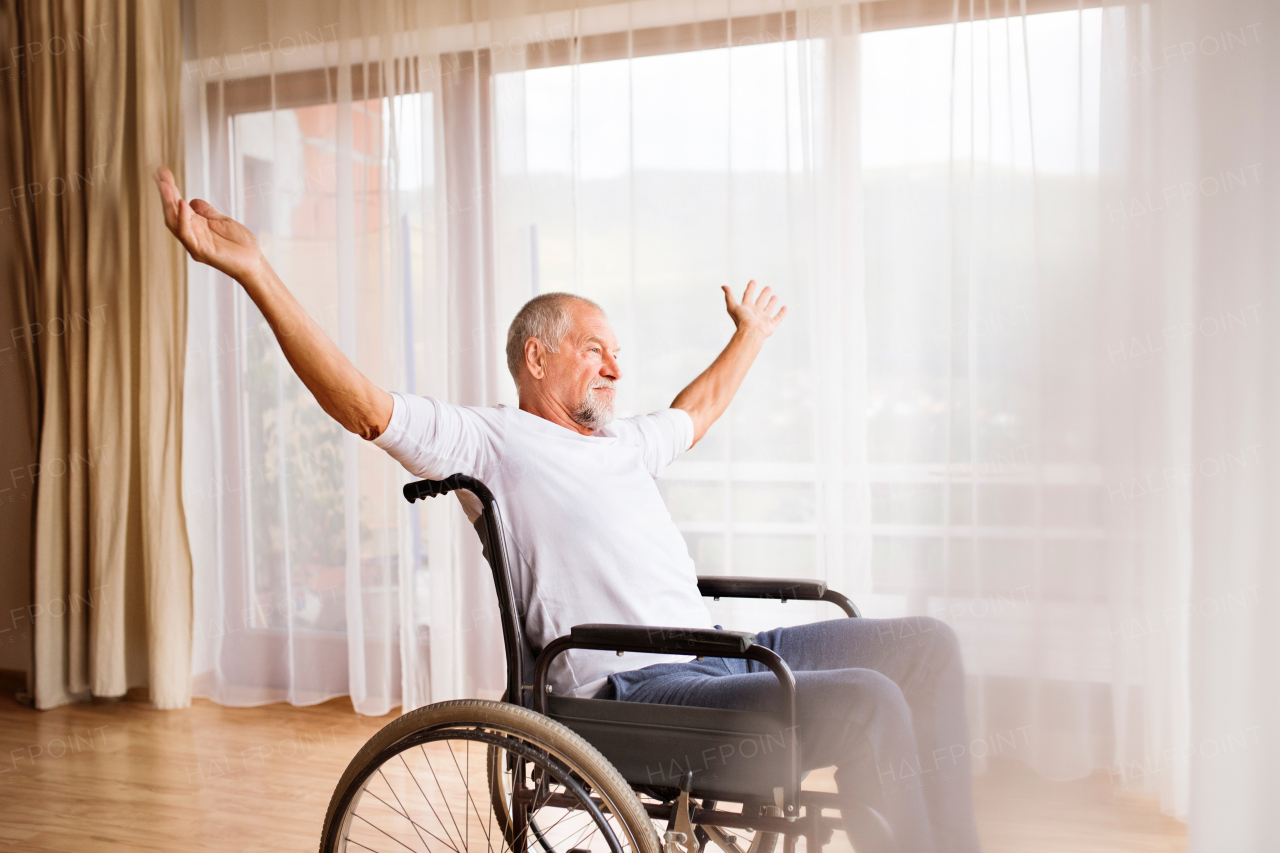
x: 544, y: 317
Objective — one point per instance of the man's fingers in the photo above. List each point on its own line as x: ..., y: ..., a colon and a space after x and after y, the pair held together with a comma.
x: 168, y: 189
x: 168, y: 201
x: 183, y: 229
x: 763, y: 304
x: 205, y: 209
x: 193, y: 232
x: 170, y: 209
x: 186, y: 224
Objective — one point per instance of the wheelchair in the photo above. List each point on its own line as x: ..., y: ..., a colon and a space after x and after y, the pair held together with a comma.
x: 542, y: 773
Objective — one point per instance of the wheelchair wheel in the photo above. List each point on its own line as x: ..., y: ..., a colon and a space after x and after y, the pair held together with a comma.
x: 426, y: 782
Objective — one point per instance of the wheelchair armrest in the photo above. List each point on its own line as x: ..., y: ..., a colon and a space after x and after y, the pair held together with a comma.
x: 783, y: 589
x: 662, y: 641
x: 739, y: 587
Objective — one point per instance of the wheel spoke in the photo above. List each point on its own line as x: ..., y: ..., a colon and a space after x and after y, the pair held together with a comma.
x: 590, y: 830
x: 568, y: 813
x: 542, y: 833
x: 467, y: 777
x: 415, y: 824
x: 497, y: 779
x: 541, y: 836
x: 440, y: 788
x: 402, y: 811
x: 427, y: 799
x: 387, y: 834
x: 530, y: 825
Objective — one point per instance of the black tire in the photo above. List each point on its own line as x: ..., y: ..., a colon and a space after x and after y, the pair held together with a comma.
x: 559, y: 774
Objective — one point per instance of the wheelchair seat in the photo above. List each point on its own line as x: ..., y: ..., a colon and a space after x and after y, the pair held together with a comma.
x: 730, y: 755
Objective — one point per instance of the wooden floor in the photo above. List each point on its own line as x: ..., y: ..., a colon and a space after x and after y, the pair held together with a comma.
x: 118, y: 776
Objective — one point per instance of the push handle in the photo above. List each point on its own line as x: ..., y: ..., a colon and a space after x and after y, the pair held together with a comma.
x: 434, y: 488
x: 489, y: 526
x: 425, y: 489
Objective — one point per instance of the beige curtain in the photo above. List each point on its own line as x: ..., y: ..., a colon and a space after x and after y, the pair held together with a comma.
x: 91, y: 106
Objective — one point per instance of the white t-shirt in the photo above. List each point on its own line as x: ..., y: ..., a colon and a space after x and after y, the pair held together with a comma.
x: 588, y: 536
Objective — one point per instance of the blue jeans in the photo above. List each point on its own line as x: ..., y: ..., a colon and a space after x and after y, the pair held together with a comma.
x: 881, y: 699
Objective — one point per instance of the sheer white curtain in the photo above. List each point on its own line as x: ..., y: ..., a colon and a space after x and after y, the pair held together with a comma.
x: 311, y: 572
x: 982, y: 414
x: 1067, y: 273
x: 429, y: 178
x: 995, y: 399
x: 1191, y: 121
x: 1070, y: 252
x: 986, y: 459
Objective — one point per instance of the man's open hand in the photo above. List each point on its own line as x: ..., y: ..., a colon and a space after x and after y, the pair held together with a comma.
x: 754, y: 312
x: 208, y: 236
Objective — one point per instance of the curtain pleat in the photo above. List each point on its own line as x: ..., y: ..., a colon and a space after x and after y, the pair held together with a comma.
x: 95, y: 110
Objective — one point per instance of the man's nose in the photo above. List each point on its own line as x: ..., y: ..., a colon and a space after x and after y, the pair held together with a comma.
x: 611, y: 368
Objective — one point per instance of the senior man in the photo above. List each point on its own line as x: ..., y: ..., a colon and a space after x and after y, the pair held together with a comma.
x: 590, y: 540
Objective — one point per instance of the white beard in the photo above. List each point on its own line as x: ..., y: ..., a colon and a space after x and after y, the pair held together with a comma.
x: 594, y: 412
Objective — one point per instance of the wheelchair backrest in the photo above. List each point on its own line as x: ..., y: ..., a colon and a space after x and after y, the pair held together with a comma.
x: 489, y: 526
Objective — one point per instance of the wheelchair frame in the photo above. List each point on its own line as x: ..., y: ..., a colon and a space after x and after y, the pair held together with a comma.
x: 611, y: 726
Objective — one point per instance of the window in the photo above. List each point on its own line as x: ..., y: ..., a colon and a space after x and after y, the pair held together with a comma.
x: 980, y: 176
x: 311, y: 503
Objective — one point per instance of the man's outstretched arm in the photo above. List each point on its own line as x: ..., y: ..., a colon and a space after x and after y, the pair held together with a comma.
x: 706, y: 397
x: 342, y: 391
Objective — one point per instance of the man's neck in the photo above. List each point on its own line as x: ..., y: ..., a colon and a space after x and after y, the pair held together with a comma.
x: 548, y: 410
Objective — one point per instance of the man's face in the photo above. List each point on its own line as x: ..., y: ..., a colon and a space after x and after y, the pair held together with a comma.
x: 581, y: 375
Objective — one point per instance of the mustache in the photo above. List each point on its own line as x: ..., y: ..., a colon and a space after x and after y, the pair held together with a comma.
x: 601, y: 383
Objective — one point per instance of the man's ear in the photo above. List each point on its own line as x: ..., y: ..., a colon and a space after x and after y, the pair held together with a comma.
x: 535, y: 355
